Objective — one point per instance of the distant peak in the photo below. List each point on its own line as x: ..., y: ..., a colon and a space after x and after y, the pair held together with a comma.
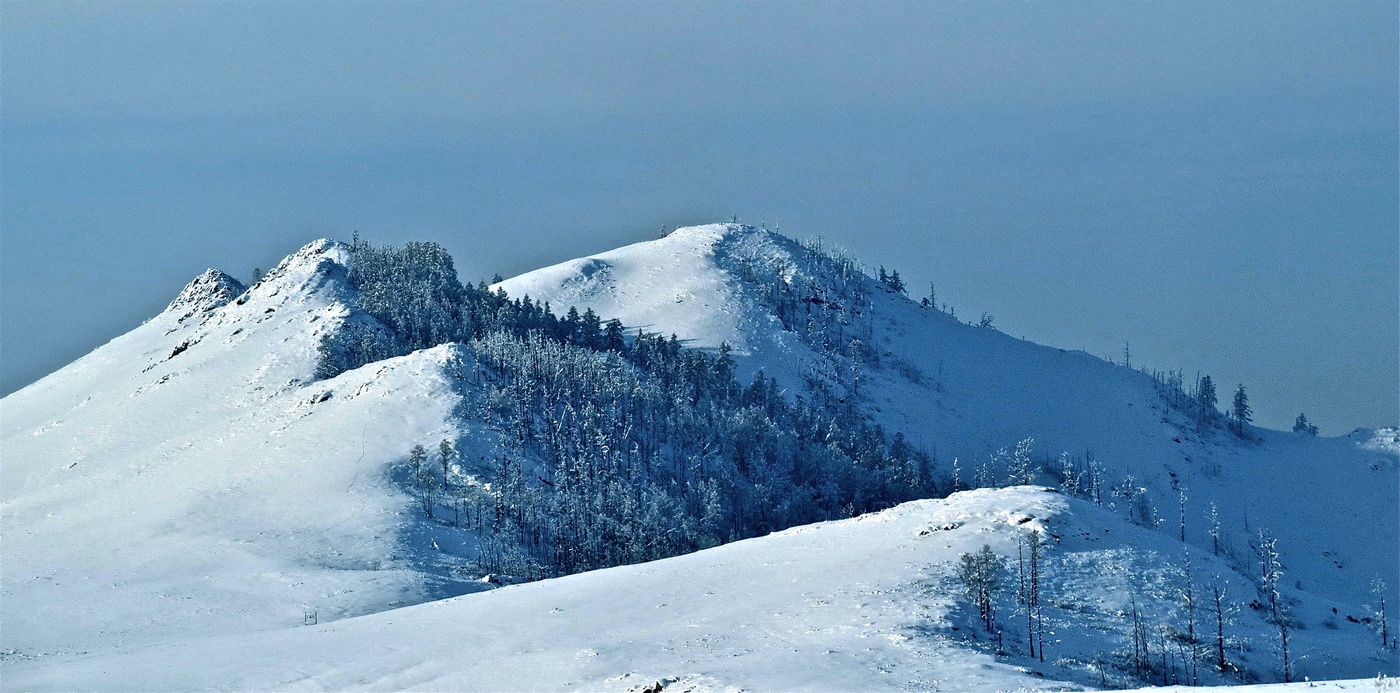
x: 210, y: 290
x: 317, y: 247
x: 720, y: 230
x: 311, y: 251
x: 310, y: 254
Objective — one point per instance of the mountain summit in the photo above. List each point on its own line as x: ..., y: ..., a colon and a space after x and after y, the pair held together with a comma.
x: 208, y: 291
x: 676, y: 284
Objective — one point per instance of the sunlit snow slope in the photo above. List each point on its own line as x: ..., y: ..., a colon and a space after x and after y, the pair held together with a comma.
x: 190, y: 478
x: 867, y: 604
x: 962, y: 391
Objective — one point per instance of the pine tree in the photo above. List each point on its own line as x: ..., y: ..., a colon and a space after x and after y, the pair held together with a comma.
x: 445, y: 453
x: 896, y: 283
x: 569, y: 326
x: 328, y: 358
x: 416, y: 457
x: 614, y: 339
x: 590, y: 326
x: 1241, y: 412
x: 1205, y: 400
x: 1301, y: 425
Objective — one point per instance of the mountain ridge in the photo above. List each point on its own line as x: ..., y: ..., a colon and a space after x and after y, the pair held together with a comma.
x: 212, y: 462
x: 974, y: 391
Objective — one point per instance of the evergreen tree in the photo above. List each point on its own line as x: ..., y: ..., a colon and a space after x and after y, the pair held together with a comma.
x: 614, y: 339
x: 1301, y: 425
x: 1205, y: 400
x: 570, y: 326
x: 1241, y: 412
x: 421, y: 477
x: 590, y: 327
x: 328, y: 360
x: 445, y: 453
x: 895, y: 283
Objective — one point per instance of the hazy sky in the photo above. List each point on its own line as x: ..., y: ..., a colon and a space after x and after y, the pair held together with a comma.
x: 1215, y: 183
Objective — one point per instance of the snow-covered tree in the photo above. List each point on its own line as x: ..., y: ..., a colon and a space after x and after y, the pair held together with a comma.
x: 1270, y: 578
x: 1221, y: 611
x: 980, y: 574
x: 1381, y: 619
x: 1022, y: 470
x: 1214, y: 518
x: 1030, y: 552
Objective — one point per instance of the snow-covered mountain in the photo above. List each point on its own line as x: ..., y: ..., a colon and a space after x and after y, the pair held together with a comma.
x: 963, y: 391
x: 190, y: 476
x: 176, y: 504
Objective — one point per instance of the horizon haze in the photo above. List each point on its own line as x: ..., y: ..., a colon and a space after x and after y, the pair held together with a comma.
x: 1212, y: 184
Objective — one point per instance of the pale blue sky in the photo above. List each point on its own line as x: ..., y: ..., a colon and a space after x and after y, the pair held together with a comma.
x: 1215, y: 183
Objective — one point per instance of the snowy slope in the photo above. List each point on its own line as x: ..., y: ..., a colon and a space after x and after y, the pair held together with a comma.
x: 961, y: 391
x: 866, y: 604
x: 1376, y: 685
x: 673, y: 285
x: 188, y: 478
